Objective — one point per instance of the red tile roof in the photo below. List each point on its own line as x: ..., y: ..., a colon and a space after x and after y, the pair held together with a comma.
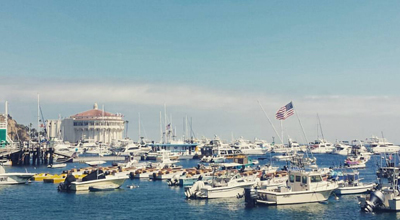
x: 94, y: 113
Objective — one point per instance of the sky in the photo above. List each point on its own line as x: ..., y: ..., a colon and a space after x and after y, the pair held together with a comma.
x: 212, y: 61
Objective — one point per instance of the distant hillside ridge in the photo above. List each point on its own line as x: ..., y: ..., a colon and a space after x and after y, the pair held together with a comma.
x: 17, y: 132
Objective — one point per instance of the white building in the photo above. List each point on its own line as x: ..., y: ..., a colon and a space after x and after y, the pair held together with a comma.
x: 94, y: 124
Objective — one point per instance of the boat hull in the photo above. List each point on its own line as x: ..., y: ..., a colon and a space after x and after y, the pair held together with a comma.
x: 15, y: 178
x: 274, y: 198
x: 84, y: 186
x: 353, y: 190
x: 224, y: 192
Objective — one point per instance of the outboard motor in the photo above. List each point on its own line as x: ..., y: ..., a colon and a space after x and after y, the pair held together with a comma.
x: 250, y: 196
x: 376, y: 199
x: 66, y: 185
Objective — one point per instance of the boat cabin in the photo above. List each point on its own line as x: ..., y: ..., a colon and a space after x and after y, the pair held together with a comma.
x: 304, y: 181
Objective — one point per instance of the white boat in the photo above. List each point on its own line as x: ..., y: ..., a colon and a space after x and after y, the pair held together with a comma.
x: 96, y: 162
x: 114, y: 181
x: 14, y: 178
x: 248, y: 148
x: 222, y: 187
x: 349, y: 183
x: 342, y: 148
x: 302, y: 187
x: 321, y: 146
x: 381, y: 145
x: 96, y: 179
x: 57, y: 165
x: 386, y: 196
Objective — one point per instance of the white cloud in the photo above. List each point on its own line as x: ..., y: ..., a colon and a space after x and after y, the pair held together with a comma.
x: 343, y: 117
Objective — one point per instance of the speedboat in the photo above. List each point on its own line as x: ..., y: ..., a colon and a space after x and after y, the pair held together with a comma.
x: 14, y: 178
x: 223, y: 186
x: 96, y: 179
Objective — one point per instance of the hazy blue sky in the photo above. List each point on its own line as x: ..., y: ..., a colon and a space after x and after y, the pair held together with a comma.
x: 210, y: 60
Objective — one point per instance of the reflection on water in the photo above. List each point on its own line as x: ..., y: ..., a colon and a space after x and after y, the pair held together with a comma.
x: 231, y: 204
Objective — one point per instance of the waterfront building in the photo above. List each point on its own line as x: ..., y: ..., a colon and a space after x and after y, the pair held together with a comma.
x: 94, y: 124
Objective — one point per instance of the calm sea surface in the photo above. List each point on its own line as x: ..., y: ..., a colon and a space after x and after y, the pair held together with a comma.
x: 156, y: 200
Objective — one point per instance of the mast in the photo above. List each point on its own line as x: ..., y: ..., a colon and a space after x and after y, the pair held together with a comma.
x: 104, y: 133
x: 320, y: 126
x: 161, y: 133
x: 270, y: 121
x: 165, y: 122
x: 139, y: 126
x: 38, y: 116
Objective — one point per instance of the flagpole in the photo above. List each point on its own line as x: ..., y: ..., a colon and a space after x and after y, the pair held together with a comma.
x: 270, y: 121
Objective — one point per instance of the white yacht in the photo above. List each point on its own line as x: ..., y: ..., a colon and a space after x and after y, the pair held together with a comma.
x: 381, y: 145
x: 302, y: 187
x: 249, y: 148
x: 342, y: 148
x: 222, y: 187
x: 14, y: 178
x: 321, y: 146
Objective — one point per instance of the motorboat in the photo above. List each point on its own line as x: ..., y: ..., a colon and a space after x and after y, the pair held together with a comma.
x: 96, y: 179
x: 385, y: 196
x: 95, y: 162
x: 302, y: 187
x: 223, y: 186
x: 342, y: 148
x: 349, y: 182
x: 57, y: 165
x: 14, y: 178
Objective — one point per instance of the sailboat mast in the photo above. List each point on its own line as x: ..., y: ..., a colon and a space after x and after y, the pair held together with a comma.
x: 161, y: 133
x: 38, y: 116
x: 165, y: 123
x: 139, y: 126
x: 320, y: 126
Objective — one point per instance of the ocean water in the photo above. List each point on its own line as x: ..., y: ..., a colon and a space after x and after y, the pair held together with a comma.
x: 157, y: 200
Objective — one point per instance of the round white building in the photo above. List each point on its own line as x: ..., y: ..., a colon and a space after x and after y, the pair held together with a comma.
x: 94, y: 124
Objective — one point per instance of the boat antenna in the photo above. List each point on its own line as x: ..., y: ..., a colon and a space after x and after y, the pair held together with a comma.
x: 266, y: 115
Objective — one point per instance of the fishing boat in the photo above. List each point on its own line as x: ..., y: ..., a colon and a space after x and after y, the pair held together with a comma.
x: 385, y: 197
x: 349, y: 183
x: 302, y: 187
x: 14, y: 178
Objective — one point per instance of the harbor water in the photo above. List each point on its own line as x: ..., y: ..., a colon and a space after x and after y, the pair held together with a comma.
x: 157, y: 200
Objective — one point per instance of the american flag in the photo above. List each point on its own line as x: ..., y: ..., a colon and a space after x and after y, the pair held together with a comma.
x: 285, y: 112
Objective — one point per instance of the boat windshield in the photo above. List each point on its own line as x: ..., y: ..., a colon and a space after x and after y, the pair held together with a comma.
x: 315, y: 179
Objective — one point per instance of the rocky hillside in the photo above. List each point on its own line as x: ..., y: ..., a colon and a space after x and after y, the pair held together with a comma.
x: 17, y: 132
